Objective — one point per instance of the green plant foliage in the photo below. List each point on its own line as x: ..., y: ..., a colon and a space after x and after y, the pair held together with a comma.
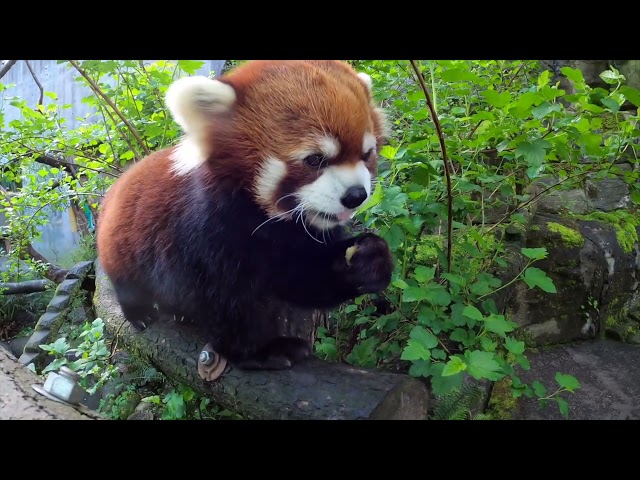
x: 91, y: 352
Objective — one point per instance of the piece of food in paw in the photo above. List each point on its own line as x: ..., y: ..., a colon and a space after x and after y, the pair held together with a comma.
x: 349, y: 253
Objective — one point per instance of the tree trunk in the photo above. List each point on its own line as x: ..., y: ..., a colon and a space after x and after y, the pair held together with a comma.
x: 313, y: 390
x: 19, y: 401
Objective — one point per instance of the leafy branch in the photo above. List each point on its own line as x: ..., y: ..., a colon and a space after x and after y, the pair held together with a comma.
x: 98, y: 91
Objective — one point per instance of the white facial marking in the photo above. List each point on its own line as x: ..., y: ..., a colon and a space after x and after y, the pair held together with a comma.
x: 366, y: 79
x: 328, y: 146
x: 267, y: 181
x: 368, y: 142
x: 191, y: 101
x: 324, y: 194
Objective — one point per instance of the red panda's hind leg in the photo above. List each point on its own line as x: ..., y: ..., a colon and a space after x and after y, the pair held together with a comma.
x: 279, y: 354
x: 136, y: 303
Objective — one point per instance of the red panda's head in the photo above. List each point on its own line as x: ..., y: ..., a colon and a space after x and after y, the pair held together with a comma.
x: 302, y: 136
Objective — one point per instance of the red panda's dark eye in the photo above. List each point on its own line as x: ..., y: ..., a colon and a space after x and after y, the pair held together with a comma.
x: 315, y: 160
x: 367, y: 155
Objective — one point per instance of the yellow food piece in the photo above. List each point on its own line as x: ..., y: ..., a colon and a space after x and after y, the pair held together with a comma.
x: 349, y: 253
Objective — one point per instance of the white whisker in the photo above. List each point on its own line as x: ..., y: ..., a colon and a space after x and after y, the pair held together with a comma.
x: 280, y: 216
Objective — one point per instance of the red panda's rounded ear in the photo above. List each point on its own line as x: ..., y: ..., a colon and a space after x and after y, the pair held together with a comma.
x: 192, y: 99
x: 366, y: 79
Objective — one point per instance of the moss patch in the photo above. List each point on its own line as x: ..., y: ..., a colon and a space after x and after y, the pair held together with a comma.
x: 570, y: 236
x: 502, y: 404
x: 623, y: 222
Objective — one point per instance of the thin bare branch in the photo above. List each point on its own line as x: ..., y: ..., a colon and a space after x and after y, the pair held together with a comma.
x: 447, y: 167
x: 4, y: 70
x: 35, y: 79
x: 98, y: 91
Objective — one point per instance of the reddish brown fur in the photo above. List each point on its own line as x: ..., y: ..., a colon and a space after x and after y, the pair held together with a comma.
x: 139, y: 202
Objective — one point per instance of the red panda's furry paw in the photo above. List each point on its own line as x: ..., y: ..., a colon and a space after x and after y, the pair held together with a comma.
x: 370, y: 265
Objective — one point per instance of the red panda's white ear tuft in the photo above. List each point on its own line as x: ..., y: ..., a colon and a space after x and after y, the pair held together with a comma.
x: 366, y: 79
x: 192, y: 101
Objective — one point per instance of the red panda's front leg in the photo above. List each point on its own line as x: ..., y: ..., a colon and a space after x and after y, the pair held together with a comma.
x: 349, y: 268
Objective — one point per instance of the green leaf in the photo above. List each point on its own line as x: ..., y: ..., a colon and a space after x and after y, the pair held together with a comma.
x: 572, y: 74
x: 438, y: 295
x: 610, y: 77
x: 472, y: 312
x: 483, y: 115
x: 128, y: 155
x: 499, y: 325
x: 543, y: 79
x: 458, y: 74
x: 523, y: 362
x: 539, y: 389
x: 420, y: 368
x: 424, y: 337
x: 414, y: 294
x: 631, y: 94
x: 533, y: 154
x: 545, y: 109
x: 401, y: 284
x: 611, y: 104
x: 103, y: 148
x: 568, y: 382
x: 424, y: 274
x: 481, y: 287
x: 534, y: 277
x: 514, y: 346
x: 426, y: 315
x: 438, y: 354
x: 534, y: 253
x: 176, y: 407
x: 459, y: 335
x: 496, y: 99
x: 443, y: 385
x: 155, y: 399
x: 190, y: 66
x: 388, y: 152
x: 635, y: 196
x: 188, y: 395
x: 415, y: 351
x: 453, y: 366
x: 482, y: 365
x: 488, y: 344
x: 563, y: 406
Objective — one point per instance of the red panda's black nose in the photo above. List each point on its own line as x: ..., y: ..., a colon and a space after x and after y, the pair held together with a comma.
x: 354, y: 196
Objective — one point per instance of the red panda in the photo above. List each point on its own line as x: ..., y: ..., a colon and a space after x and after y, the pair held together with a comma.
x: 245, y: 216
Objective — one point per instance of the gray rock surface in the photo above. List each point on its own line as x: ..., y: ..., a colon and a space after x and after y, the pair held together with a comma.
x: 609, y: 375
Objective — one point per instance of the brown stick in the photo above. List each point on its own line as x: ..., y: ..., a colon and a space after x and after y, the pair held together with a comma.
x: 7, y: 67
x: 447, y: 168
x: 35, y: 78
